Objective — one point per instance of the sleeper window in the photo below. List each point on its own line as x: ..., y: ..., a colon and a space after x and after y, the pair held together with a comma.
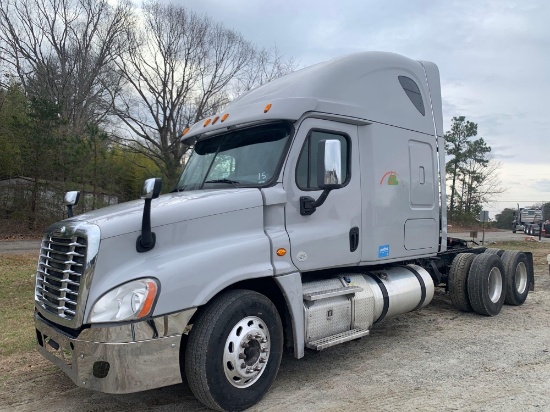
x: 413, y: 93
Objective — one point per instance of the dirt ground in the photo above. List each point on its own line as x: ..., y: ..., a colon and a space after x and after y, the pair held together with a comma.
x: 436, y: 359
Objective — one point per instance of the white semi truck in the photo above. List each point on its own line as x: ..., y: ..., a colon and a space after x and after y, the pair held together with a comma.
x: 312, y: 208
x: 527, y: 220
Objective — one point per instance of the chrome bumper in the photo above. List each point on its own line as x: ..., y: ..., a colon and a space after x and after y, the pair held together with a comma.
x: 120, y: 359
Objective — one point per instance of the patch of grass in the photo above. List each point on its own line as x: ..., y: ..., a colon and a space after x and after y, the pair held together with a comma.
x: 17, y: 280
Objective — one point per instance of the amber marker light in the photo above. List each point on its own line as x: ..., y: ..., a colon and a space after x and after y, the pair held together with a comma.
x: 267, y: 107
x: 281, y: 252
x: 215, y: 120
x: 185, y: 131
x: 149, y: 300
x: 225, y: 117
x: 206, y: 123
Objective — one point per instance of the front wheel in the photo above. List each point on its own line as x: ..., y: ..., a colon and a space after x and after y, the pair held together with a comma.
x: 234, y: 350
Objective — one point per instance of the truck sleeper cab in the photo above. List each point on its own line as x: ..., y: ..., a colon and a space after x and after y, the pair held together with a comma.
x: 310, y: 209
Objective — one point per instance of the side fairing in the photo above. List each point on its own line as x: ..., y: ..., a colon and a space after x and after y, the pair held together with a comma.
x: 399, y: 189
x: 434, y: 88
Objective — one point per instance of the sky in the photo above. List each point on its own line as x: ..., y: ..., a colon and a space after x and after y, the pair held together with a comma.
x: 493, y: 57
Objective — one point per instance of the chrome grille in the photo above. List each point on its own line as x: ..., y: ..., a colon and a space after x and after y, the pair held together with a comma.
x: 61, y: 265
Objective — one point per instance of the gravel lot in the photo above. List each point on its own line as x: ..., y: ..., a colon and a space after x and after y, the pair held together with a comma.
x: 437, y: 359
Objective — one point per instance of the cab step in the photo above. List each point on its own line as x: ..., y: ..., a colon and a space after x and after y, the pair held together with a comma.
x: 330, y: 293
x: 342, y: 337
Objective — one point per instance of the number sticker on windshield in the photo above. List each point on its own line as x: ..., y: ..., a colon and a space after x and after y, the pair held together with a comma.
x: 262, y: 177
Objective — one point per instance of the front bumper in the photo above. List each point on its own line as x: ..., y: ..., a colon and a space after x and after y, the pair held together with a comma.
x: 119, y: 359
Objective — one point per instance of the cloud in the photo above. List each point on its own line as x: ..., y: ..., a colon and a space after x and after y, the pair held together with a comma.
x: 543, y: 185
x: 500, y: 156
x: 493, y: 59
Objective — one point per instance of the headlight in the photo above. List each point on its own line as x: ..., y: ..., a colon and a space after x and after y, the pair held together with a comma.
x: 132, y: 300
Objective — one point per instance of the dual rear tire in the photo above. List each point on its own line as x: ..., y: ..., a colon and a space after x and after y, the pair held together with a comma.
x: 517, y: 279
x: 484, y: 282
x: 487, y: 284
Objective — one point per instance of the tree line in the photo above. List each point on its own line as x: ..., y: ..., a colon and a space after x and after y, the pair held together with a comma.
x: 95, y: 96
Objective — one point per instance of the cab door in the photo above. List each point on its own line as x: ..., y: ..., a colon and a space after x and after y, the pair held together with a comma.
x: 330, y: 236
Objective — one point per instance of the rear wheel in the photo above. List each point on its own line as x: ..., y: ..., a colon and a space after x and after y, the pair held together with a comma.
x: 234, y: 350
x: 458, y: 277
x: 517, y: 280
x: 494, y: 251
x: 486, y: 284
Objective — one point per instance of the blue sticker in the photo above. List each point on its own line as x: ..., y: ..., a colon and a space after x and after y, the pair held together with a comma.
x: 383, y: 251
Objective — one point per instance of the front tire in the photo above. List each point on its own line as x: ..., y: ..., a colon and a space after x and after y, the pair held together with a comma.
x: 487, y: 284
x: 234, y: 350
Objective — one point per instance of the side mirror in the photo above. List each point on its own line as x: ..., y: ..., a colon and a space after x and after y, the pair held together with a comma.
x: 329, y: 164
x: 329, y: 168
x: 151, y: 190
x: 71, y: 199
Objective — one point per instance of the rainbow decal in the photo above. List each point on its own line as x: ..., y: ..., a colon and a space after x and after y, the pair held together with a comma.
x: 392, y: 178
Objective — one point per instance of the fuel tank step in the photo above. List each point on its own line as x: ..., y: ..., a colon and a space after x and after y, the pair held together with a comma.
x: 330, y: 293
x: 329, y: 341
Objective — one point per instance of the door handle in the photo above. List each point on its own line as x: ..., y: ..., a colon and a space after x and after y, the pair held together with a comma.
x: 353, y: 239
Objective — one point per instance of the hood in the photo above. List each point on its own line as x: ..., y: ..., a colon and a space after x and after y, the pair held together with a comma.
x: 168, y: 209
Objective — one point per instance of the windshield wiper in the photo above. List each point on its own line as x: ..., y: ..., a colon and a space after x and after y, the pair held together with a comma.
x: 228, y: 181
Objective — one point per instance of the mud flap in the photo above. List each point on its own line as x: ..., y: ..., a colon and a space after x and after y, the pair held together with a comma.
x: 530, y: 271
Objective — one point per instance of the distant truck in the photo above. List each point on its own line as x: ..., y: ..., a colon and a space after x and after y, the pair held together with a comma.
x: 527, y: 220
x: 311, y: 208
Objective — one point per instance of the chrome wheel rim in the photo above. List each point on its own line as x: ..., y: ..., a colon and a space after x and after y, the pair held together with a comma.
x: 495, y: 285
x: 246, y: 352
x: 521, y: 278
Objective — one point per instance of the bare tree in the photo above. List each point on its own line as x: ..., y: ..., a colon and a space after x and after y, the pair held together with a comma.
x: 63, y: 50
x: 5, y: 74
x: 487, y: 186
x: 180, y: 68
x: 267, y: 64
x: 161, y: 69
x: 228, y: 55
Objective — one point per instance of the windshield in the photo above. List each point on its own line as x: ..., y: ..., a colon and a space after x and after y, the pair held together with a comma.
x: 248, y: 158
